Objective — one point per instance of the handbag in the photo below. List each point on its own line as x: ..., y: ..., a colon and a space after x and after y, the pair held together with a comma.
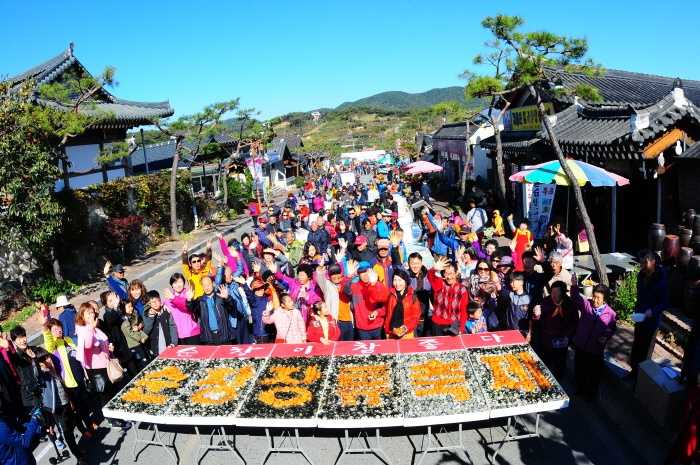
x: 115, y: 372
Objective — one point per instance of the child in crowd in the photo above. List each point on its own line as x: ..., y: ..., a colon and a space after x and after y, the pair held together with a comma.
x: 132, y: 328
x: 158, y: 324
x: 476, y: 323
x: 322, y: 326
x: 287, y: 319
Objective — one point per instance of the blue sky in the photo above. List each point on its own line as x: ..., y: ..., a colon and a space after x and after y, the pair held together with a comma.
x: 296, y: 56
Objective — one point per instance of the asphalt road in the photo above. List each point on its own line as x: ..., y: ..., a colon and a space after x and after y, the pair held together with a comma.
x: 578, y: 435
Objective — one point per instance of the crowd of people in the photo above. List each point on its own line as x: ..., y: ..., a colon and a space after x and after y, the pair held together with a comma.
x: 330, y: 264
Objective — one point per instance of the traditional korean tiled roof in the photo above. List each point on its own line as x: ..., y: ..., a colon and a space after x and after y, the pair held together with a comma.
x: 166, y: 151
x: 609, y: 131
x: 454, y: 131
x: 292, y: 141
x: 280, y: 145
x: 605, y: 132
x: 618, y: 87
x: 116, y: 112
x: 154, y: 152
x: 692, y: 152
x: 513, y: 141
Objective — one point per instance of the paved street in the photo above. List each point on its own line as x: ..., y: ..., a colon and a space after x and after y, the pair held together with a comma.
x: 578, y: 435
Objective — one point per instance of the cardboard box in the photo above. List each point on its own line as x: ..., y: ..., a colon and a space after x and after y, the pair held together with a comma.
x: 662, y: 396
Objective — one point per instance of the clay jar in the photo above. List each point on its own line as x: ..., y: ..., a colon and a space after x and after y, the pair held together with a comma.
x: 684, y: 236
x: 657, y: 232
x: 684, y: 256
x: 694, y: 268
x: 689, y: 218
x: 672, y: 246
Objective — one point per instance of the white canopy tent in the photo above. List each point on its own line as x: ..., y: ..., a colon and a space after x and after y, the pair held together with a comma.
x: 370, y: 155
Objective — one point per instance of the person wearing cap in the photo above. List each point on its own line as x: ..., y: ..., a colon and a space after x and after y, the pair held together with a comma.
x: 232, y: 256
x: 451, y: 298
x: 195, y: 267
x: 504, y: 268
x: 360, y: 250
x: 273, y: 259
x: 384, y: 262
x: 67, y: 316
x: 114, y: 276
x: 383, y: 225
x: 367, y: 296
x: 476, y: 217
x: 403, y: 308
x: 464, y: 237
x: 259, y: 293
x: 272, y: 224
x: 261, y: 232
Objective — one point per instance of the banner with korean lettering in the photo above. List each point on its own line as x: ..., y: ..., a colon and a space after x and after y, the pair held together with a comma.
x: 538, y: 201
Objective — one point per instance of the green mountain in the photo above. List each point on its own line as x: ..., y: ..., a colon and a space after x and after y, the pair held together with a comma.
x: 397, y: 100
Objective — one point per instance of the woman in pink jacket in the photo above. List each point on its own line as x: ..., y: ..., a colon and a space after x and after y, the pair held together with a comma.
x: 93, y: 349
x: 176, y: 299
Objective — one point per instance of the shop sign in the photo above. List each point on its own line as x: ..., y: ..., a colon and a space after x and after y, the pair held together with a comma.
x: 525, y: 118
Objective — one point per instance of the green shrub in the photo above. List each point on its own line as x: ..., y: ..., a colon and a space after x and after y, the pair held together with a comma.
x: 624, y: 298
x: 18, y: 318
x: 150, y: 199
x: 49, y: 288
x: 239, y: 193
x: 299, y: 182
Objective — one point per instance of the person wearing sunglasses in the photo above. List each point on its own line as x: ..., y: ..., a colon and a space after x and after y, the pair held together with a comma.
x: 481, y: 278
x: 197, y: 266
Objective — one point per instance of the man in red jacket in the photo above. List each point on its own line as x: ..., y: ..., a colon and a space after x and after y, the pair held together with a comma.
x: 367, y: 301
x: 451, y: 298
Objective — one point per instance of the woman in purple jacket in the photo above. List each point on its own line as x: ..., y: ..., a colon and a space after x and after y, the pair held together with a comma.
x: 596, y: 325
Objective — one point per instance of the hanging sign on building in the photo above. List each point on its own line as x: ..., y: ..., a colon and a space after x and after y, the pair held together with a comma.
x: 525, y: 118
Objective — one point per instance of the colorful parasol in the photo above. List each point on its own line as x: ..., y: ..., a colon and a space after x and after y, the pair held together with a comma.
x: 551, y: 172
x: 420, y: 167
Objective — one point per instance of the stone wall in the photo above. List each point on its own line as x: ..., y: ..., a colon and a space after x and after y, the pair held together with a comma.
x: 16, y: 265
